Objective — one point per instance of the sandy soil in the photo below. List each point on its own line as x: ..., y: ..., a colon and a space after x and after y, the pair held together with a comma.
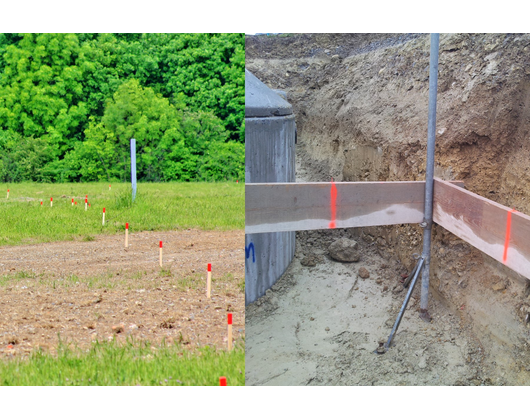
x: 321, y: 322
x: 82, y: 291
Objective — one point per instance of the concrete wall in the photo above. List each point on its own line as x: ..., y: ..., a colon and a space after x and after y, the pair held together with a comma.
x: 269, y: 157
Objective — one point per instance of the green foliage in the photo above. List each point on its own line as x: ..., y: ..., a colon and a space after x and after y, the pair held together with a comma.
x: 158, y: 207
x: 83, y: 96
x: 131, y: 363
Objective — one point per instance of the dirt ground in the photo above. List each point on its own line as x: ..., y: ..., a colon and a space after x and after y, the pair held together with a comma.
x: 321, y: 322
x: 361, y: 107
x: 83, y: 291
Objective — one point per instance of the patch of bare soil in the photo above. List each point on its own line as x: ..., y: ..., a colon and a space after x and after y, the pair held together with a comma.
x: 83, y: 291
x: 321, y: 322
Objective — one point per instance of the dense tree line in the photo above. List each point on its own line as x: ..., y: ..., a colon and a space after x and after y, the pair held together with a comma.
x: 69, y: 104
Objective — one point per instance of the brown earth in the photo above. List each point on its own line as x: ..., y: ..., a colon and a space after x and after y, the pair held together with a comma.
x: 83, y: 291
x: 362, y: 116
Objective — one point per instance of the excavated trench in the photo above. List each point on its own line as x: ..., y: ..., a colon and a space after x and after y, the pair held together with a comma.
x: 361, y: 107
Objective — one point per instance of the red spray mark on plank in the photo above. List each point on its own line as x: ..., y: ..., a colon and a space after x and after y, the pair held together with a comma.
x: 333, y: 205
x: 507, y: 236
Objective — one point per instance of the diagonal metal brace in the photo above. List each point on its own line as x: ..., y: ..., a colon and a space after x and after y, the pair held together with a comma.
x: 416, y: 271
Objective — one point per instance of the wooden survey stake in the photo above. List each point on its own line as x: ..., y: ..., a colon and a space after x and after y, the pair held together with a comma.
x: 229, y: 331
x: 126, y: 235
x: 160, y: 253
x: 103, y: 216
x: 209, y: 281
x: 7, y: 193
x: 51, y: 201
x: 86, y: 204
x: 72, y: 202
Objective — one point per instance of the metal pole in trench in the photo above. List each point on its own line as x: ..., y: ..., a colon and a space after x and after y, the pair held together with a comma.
x: 429, y: 178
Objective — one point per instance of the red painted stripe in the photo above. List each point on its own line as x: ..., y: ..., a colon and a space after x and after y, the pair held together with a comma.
x: 507, y: 236
x: 333, y: 205
x: 222, y: 381
x: 209, y: 267
x: 229, y: 319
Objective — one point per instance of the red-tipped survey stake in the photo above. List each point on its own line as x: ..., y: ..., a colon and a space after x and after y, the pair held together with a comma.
x: 103, y: 216
x: 209, y: 281
x: 222, y: 381
x: 51, y: 201
x: 229, y: 331
x: 126, y: 235
x: 7, y: 193
x: 160, y: 253
x: 86, y: 204
x: 72, y: 202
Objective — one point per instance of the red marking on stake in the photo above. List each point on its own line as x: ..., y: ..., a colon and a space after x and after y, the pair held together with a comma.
x: 229, y: 319
x: 7, y: 190
x: 507, y: 236
x: 222, y: 381
x: 103, y: 209
x: 209, y: 267
x: 41, y: 203
x: 75, y: 203
x: 127, y: 226
x: 160, y: 244
x: 333, y: 205
x: 51, y: 198
x: 72, y: 201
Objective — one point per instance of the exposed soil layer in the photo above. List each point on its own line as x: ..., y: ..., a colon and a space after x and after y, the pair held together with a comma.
x: 362, y: 116
x: 83, y: 291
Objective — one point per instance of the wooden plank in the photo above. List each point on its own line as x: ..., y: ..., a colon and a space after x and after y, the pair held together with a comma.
x: 483, y: 224
x: 284, y: 207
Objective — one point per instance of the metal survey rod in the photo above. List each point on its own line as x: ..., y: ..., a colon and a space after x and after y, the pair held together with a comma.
x: 133, y: 168
x: 429, y: 178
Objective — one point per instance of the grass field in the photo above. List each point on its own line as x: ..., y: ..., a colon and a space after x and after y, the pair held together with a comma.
x: 110, y: 363
x: 158, y: 206
x: 35, y: 306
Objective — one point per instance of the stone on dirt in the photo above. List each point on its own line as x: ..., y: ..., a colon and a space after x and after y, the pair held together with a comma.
x: 364, y: 273
x: 344, y: 250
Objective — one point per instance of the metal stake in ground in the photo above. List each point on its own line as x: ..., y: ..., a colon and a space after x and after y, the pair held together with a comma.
x: 229, y: 331
x: 103, y: 216
x: 126, y: 235
x: 382, y: 348
x: 429, y: 178
x: 209, y: 281
x: 160, y: 253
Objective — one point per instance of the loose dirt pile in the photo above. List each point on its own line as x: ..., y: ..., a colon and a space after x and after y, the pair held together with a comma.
x: 362, y: 116
x: 83, y: 291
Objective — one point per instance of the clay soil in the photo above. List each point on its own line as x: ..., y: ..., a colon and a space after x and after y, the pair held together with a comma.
x: 98, y: 290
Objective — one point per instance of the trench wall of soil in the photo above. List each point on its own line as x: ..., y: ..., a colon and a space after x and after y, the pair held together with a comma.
x: 361, y: 106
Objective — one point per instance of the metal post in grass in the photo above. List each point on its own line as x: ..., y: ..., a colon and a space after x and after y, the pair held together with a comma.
x: 133, y: 168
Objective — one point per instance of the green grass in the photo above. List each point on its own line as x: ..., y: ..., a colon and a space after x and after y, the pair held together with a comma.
x: 111, y: 363
x: 158, y: 207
